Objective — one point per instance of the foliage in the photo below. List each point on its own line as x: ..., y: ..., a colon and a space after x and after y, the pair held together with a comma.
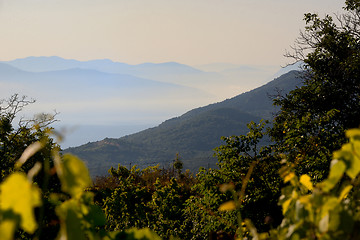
x: 236, y: 158
x: 17, y: 200
x: 79, y: 218
x: 13, y: 141
x: 150, y: 197
x: 126, y: 206
x: 201, y: 215
x: 19, y: 197
x: 25, y: 145
x: 326, y: 210
x: 329, y: 209
x: 167, y: 205
x: 312, y: 120
x: 42, y: 193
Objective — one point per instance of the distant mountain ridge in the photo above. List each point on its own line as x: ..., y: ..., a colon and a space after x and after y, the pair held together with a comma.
x: 222, y: 84
x: 88, y: 97
x: 193, y: 135
x: 73, y: 80
x: 54, y: 63
x: 102, y: 93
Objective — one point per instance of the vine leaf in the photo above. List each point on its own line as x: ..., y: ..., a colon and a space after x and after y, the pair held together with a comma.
x: 71, y: 227
x: 306, y: 181
x: 227, y: 206
x: 7, y: 229
x: 74, y: 175
x: 336, y: 172
x: 20, y: 196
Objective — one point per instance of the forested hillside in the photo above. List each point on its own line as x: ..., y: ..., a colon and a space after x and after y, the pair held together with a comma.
x: 193, y: 135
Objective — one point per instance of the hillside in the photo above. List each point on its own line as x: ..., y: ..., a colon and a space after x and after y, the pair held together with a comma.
x: 193, y: 135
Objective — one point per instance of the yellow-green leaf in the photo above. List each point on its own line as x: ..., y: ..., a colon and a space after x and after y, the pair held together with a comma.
x: 7, y: 229
x: 21, y: 197
x: 350, y: 156
x: 336, y: 172
x: 227, y: 206
x: 353, y: 133
x: 328, y: 206
x: 344, y: 192
x: 305, y: 180
x: 288, y: 177
x: 354, y: 169
x: 74, y: 175
x: 305, y: 199
x: 285, y: 205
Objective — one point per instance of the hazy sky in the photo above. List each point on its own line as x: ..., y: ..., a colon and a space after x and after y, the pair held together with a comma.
x: 136, y: 31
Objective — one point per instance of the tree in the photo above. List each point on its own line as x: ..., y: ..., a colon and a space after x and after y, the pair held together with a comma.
x: 244, y: 157
x: 312, y: 120
x: 178, y: 165
x: 15, y: 139
x: 152, y: 197
x: 253, y: 171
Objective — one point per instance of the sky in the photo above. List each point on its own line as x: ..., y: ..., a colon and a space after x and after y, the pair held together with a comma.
x: 193, y: 32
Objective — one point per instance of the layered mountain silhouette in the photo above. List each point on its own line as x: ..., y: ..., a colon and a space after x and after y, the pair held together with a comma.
x: 222, y: 84
x: 86, y: 96
x: 97, y: 95
x: 103, y: 93
x: 193, y: 135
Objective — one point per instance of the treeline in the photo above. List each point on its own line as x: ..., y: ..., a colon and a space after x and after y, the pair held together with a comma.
x: 285, y: 190
x: 176, y: 203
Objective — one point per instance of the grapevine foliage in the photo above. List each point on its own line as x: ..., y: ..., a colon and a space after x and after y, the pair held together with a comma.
x: 326, y: 210
x: 79, y: 218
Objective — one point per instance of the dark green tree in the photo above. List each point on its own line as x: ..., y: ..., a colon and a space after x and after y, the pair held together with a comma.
x: 313, y: 117
x: 150, y: 197
x: 16, y: 135
x: 14, y: 139
x: 178, y: 165
x: 253, y: 171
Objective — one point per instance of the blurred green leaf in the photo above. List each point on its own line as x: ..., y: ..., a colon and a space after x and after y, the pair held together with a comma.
x: 336, y: 172
x: 227, y: 206
x: 353, y: 133
x: 324, y: 224
x: 70, y: 225
x: 74, y: 175
x: 344, y: 192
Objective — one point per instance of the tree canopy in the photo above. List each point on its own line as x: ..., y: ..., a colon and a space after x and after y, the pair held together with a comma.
x: 313, y: 117
x: 15, y: 138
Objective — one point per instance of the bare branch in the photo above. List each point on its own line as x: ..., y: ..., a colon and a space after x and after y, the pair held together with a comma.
x: 9, y: 108
x: 41, y: 120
